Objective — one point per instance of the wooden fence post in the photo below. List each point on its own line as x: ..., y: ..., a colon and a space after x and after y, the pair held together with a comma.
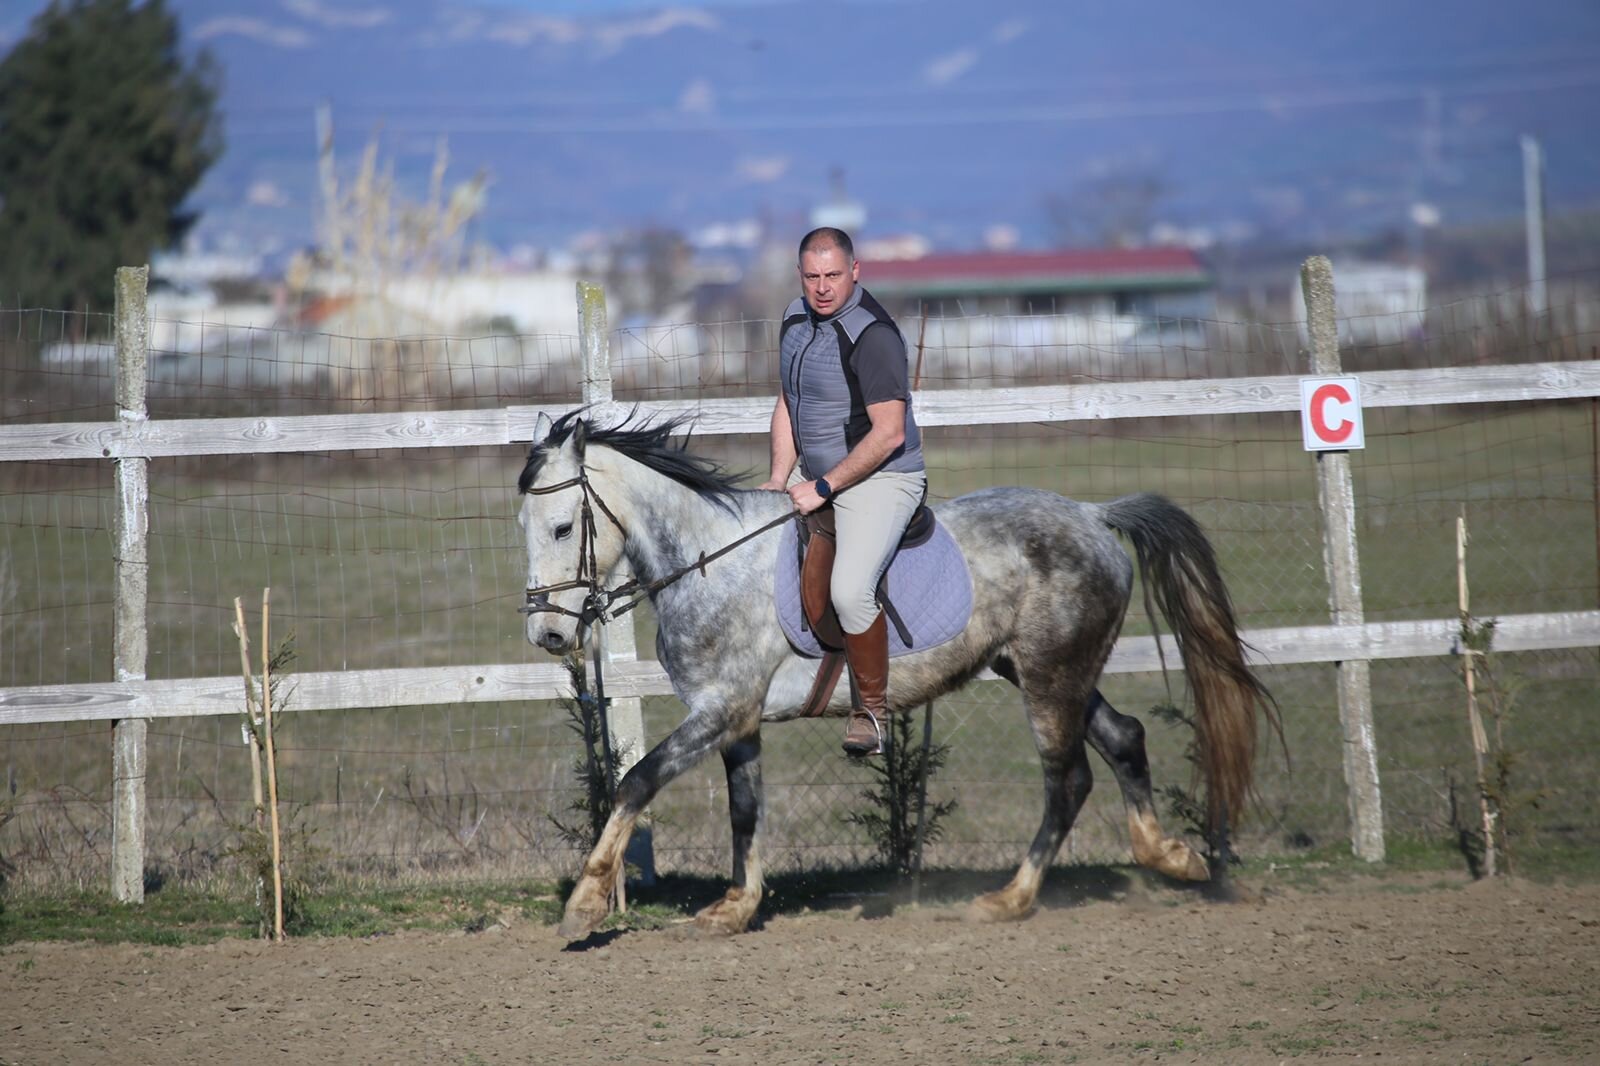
x: 626, y: 716
x: 1341, y: 559
x: 130, y: 527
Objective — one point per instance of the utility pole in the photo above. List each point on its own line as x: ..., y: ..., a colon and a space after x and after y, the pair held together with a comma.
x: 1533, y: 215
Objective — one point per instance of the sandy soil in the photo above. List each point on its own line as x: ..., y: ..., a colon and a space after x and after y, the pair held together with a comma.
x: 1393, y: 970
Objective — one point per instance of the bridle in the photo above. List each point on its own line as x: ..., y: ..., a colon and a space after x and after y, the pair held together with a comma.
x: 537, y: 600
x: 597, y: 604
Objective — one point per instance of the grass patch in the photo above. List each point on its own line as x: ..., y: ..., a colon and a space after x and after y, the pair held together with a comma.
x: 1333, y: 864
x: 166, y: 920
x: 177, y: 917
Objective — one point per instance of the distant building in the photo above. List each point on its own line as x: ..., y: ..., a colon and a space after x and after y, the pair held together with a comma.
x: 1007, y: 317
x: 1374, y: 303
x: 1148, y: 283
x: 532, y: 301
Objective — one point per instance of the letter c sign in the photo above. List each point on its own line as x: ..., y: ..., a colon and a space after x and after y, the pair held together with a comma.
x: 1330, y: 414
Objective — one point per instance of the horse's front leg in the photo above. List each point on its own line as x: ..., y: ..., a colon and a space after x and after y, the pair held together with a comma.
x: 686, y: 745
x: 734, y: 911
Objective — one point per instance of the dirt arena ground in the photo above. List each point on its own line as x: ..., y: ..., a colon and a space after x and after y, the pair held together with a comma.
x: 1393, y: 970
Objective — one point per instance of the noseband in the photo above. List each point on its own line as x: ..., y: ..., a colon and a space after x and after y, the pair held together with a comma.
x: 597, y: 603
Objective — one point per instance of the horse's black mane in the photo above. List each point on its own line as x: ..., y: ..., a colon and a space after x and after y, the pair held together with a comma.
x: 642, y: 442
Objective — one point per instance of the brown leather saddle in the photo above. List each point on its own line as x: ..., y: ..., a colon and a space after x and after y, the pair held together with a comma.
x: 818, y: 546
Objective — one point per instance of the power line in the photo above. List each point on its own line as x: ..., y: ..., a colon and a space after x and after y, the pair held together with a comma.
x: 673, y: 122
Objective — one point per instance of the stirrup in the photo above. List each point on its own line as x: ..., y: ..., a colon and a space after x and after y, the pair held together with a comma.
x: 861, y: 744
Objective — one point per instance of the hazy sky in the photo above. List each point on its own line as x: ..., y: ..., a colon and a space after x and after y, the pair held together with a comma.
x: 573, y: 7
x: 979, y: 118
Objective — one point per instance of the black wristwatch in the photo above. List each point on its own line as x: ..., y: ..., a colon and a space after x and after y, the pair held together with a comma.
x: 824, y: 489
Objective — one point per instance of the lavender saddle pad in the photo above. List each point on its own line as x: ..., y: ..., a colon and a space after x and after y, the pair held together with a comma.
x: 929, y: 585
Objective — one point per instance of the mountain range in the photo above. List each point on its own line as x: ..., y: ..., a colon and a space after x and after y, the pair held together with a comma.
x: 1002, y: 123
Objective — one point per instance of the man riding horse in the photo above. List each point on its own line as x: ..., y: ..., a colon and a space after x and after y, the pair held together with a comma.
x: 844, y: 436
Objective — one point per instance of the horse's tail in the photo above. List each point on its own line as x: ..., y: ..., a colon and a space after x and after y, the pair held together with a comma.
x: 1179, y: 569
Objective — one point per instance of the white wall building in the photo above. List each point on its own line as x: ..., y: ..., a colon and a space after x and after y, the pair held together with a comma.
x: 1375, y: 303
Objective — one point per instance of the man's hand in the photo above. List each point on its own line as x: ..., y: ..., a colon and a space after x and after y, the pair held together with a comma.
x: 804, y: 495
x: 772, y: 484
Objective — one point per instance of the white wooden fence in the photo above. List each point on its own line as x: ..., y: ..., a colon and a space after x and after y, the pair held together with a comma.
x: 131, y: 440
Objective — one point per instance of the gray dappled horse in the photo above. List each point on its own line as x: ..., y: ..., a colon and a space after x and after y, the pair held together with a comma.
x: 1050, y: 582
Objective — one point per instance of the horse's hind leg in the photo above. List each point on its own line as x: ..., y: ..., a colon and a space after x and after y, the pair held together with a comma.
x: 1120, y: 741
x: 733, y: 912
x: 1057, y: 720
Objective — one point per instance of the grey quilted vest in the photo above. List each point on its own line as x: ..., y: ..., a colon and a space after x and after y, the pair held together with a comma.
x: 826, y: 410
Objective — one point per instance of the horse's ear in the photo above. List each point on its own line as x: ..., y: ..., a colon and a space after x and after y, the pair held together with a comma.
x: 580, y: 437
x: 541, y: 428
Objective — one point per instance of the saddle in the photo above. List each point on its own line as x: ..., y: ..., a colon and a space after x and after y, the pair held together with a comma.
x: 817, y: 545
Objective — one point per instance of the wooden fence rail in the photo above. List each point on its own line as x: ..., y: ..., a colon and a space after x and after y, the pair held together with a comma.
x: 497, y: 682
x: 1523, y: 383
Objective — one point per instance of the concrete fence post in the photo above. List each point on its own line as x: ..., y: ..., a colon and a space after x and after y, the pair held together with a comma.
x: 617, y: 639
x: 1341, y: 559
x: 130, y: 530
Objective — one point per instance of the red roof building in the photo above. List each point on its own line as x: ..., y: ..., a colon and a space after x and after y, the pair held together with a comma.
x: 1160, y: 282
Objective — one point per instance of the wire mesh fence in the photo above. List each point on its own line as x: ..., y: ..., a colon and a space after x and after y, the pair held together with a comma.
x: 410, y: 557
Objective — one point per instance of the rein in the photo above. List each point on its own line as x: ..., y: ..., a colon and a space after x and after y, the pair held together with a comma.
x: 597, y: 604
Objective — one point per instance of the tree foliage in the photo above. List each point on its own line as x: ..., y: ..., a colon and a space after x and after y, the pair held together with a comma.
x: 105, y: 128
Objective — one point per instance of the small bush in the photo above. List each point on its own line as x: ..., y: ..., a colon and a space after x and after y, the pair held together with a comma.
x: 891, y: 820
x: 597, y: 767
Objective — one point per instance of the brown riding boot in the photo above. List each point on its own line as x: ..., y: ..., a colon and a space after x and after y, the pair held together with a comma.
x: 868, y: 656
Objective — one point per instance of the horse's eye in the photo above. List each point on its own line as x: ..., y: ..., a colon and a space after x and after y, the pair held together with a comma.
x: 563, y: 531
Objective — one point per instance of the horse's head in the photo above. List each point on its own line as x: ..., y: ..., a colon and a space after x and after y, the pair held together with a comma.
x: 566, y: 550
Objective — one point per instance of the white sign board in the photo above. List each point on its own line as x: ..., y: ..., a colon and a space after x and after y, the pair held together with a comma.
x: 1330, y: 414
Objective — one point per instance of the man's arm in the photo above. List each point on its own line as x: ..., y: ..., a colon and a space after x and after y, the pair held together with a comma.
x: 783, y: 453
x: 887, y: 433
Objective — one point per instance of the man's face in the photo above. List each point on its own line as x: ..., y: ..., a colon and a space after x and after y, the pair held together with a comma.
x: 828, y: 277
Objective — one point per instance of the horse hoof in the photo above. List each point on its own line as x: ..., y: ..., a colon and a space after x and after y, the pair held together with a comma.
x: 716, y: 925
x: 728, y: 916
x: 997, y: 907
x: 577, y: 924
x: 1183, y: 863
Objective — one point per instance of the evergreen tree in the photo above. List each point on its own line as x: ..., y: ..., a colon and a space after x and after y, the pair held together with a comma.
x: 105, y: 127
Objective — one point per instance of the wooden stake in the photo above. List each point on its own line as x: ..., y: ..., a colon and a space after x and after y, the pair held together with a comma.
x: 252, y: 715
x: 252, y: 730
x: 1469, y: 671
x: 272, y: 764
x: 922, y: 804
